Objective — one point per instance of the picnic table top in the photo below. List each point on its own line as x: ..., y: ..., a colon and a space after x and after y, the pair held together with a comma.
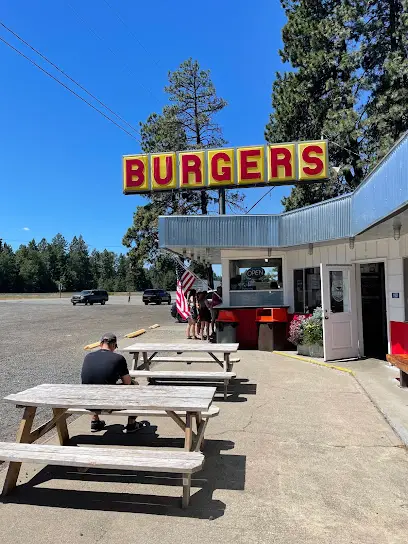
x: 120, y: 397
x: 201, y: 347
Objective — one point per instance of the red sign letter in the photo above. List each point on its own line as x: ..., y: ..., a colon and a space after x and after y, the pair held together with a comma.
x: 191, y: 164
x: 278, y: 160
x: 224, y: 174
x: 135, y: 175
x: 313, y: 160
x: 246, y: 164
x: 156, y: 171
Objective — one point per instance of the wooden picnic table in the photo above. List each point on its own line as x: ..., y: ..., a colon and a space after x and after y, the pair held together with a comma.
x: 213, y: 350
x: 61, y: 397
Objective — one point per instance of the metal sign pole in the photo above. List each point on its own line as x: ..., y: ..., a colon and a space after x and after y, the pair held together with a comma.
x: 221, y: 201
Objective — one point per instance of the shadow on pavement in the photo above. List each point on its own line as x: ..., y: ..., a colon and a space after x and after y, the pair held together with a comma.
x: 236, y: 387
x: 221, y: 471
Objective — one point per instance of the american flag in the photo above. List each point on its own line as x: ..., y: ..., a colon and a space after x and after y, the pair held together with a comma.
x: 185, y: 281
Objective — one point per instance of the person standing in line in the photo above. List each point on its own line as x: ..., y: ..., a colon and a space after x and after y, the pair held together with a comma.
x: 216, y: 301
x: 192, y: 319
x: 204, y: 315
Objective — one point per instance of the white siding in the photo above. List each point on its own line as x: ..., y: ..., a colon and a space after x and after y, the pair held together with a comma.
x: 388, y: 250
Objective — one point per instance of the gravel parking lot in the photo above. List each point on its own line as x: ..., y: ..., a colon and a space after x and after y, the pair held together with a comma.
x: 41, y: 341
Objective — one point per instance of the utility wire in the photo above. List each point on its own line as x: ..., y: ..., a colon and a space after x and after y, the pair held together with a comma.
x: 67, y: 76
x: 69, y: 89
x: 262, y: 197
x: 114, y: 53
x: 341, y: 146
x: 118, y: 16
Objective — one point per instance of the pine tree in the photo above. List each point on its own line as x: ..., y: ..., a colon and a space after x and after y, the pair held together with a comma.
x: 384, y: 33
x: 195, y: 104
x: 321, y: 96
x: 78, y: 274
x: 8, y: 269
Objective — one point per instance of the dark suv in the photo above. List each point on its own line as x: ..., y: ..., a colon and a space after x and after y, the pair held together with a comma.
x: 92, y: 296
x: 156, y: 295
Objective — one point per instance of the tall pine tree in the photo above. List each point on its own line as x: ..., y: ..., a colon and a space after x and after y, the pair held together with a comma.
x: 320, y: 96
x: 384, y: 35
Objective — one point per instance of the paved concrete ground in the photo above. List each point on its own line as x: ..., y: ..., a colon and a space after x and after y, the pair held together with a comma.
x: 379, y: 381
x: 298, y: 454
x: 41, y: 341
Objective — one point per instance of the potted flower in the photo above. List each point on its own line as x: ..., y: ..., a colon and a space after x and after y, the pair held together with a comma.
x: 296, y: 330
x: 307, y: 334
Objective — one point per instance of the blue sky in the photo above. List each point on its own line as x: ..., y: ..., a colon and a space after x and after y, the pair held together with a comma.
x: 60, y: 161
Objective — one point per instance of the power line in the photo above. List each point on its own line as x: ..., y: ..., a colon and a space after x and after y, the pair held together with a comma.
x: 114, y: 53
x: 67, y: 76
x: 341, y: 146
x: 69, y: 89
x: 262, y: 197
x: 118, y: 16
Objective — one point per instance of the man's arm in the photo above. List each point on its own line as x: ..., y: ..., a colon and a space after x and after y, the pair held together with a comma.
x: 124, y: 374
x: 126, y: 379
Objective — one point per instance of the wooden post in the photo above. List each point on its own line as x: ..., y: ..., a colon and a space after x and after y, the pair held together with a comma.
x: 23, y: 435
x: 146, y: 362
x: 188, y: 432
x: 227, y: 363
x: 61, y: 425
x: 186, y: 490
x: 135, y: 360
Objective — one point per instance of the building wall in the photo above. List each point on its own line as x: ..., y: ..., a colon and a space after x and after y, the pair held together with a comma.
x: 388, y: 250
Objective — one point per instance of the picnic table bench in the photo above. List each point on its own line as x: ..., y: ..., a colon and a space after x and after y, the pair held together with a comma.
x: 182, y: 462
x: 213, y: 350
x: 401, y: 362
x: 192, y: 401
x: 181, y: 375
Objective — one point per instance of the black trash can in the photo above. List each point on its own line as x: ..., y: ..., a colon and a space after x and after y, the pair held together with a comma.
x: 271, y: 336
x: 226, y: 333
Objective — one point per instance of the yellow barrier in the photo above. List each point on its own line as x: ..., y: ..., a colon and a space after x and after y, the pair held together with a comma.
x: 155, y: 326
x: 135, y: 333
x: 92, y: 346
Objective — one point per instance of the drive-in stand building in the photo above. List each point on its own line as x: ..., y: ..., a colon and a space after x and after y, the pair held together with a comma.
x: 348, y: 255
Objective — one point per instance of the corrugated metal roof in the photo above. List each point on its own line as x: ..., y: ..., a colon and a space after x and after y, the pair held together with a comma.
x: 328, y: 220
x: 383, y: 192
x: 219, y: 231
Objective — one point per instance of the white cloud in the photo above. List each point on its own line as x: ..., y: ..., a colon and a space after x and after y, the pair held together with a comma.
x: 25, y: 228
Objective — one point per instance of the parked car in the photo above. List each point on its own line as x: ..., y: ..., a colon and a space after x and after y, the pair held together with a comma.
x: 174, y: 313
x: 157, y: 296
x: 91, y: 296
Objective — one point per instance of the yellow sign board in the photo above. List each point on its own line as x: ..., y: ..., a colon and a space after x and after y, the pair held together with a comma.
x: 277, y: 164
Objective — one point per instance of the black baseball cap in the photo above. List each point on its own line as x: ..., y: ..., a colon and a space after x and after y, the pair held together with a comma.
x: 109, y: 338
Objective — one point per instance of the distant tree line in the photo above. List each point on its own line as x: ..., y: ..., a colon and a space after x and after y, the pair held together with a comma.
x: 42, y: 267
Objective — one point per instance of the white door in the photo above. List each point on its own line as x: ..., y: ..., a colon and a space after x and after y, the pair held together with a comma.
x: 340, y: 334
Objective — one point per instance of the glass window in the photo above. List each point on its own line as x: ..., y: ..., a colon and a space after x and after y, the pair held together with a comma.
x: 256, y: 275
x: 339, y: 291
x: 313, y: 290
x: 298, y: 284
x: 307, y: 290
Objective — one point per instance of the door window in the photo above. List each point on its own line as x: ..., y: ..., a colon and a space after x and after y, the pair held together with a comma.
x: 339, y: 291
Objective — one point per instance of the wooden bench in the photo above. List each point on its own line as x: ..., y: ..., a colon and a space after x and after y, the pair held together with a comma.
x: 212, y: 412
x: 189, y: 360
x: 401, y: 362
x: 183, y: 375
x: 183, y: 462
